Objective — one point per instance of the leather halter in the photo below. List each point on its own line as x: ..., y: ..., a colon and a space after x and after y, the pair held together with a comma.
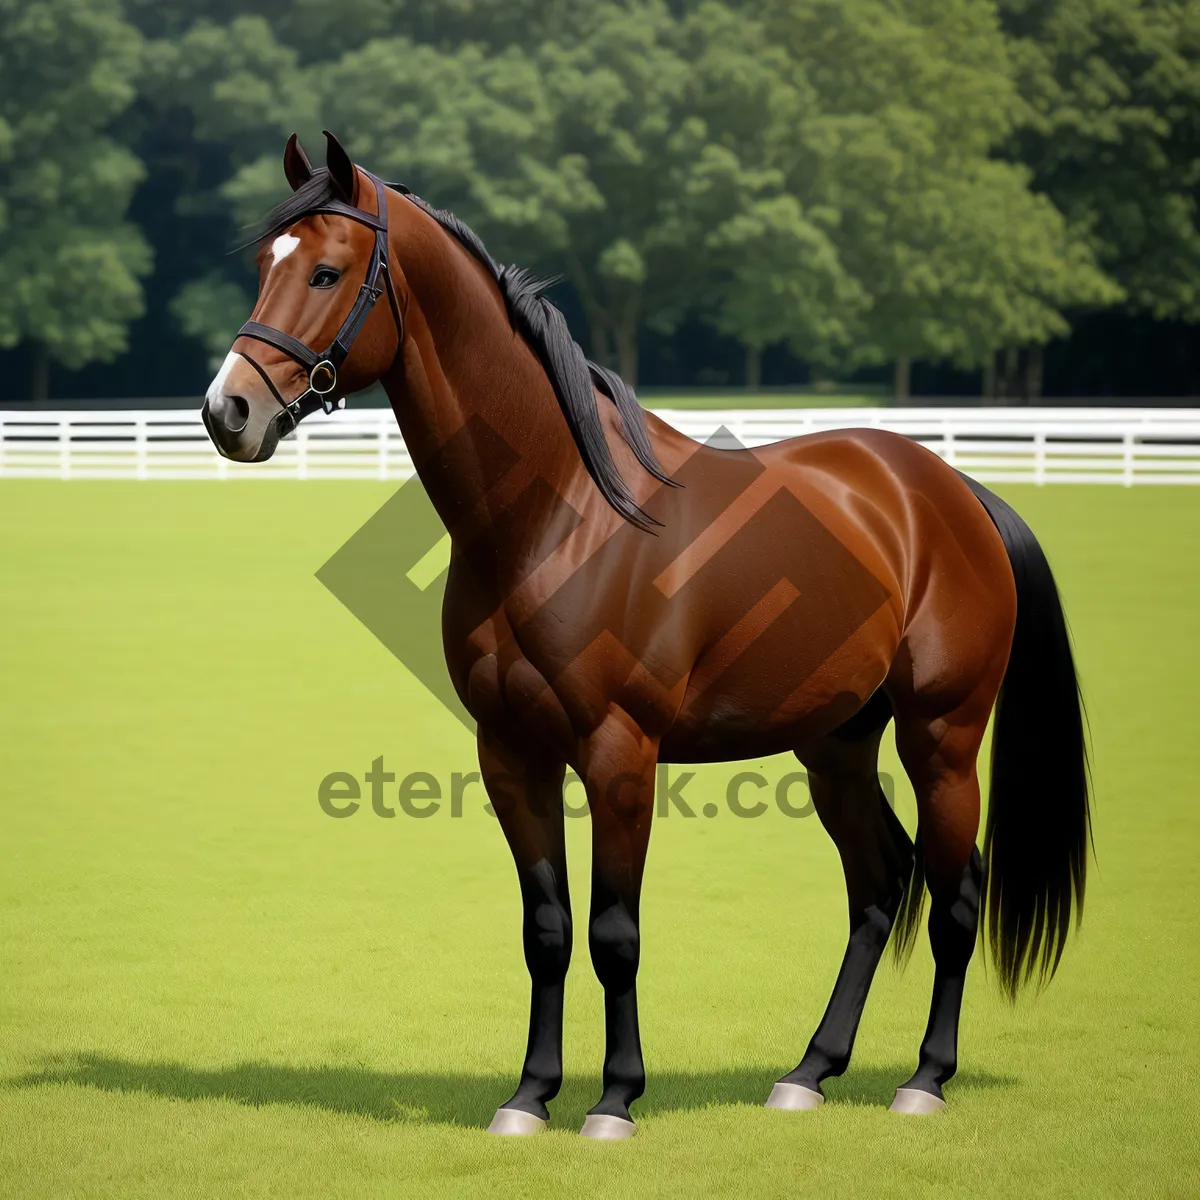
x: 323, y: 366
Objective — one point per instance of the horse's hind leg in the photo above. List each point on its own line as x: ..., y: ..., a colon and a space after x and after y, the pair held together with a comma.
x: 939, y: 756
x: 876, y: 858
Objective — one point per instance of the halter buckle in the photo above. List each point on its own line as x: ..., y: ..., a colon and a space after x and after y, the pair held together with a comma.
x: 324, y: 373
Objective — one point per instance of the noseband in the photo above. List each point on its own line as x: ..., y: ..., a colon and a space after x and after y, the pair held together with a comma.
x: 323, y: 367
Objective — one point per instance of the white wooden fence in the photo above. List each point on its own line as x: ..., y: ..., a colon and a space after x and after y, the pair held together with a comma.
x: 1044, y: 445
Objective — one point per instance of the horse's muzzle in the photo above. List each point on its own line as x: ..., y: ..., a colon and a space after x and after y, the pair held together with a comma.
x: 227, y: 419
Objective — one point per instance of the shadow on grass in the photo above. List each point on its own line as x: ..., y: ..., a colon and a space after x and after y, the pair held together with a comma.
x: 447, y: 1098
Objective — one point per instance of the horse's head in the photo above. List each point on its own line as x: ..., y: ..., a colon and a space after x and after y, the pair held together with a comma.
x: 328, y: 318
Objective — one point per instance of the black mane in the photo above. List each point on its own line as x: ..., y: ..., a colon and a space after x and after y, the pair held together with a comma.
x: 574, y: 379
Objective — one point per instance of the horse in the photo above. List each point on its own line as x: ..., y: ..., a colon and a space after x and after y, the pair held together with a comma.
x: 620, y: 596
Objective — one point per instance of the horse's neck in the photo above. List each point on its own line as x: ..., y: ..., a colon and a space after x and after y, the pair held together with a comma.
x: 475, y: 407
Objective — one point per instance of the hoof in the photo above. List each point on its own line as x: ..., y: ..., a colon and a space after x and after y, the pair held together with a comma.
x: 603, y: 1128
x: 512, y: 1122
x: 917, y: 1102
x: 794, y: 1097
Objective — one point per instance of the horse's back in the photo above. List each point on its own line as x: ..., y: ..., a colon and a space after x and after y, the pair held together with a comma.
x: 882, y: 488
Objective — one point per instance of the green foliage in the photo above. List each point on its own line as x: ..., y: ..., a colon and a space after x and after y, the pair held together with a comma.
x: 211, y: 310
x: 69, y: 259
x: 819, y: 173
x: 629, y: 152
x: 237, y: 89
x: 1111, y: 129
x: 777, y: 275
x: 957, y: 256
x: 785, y: 281
x: 864, y: 180
x: 569, y: 157
x: 241, y: 86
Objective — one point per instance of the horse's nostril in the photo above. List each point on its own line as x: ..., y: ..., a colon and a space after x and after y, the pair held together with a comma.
x: 240, y: 414
x: 231, y: 412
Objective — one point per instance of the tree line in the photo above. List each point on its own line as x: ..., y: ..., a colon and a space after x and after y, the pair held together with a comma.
x: 865, y: 182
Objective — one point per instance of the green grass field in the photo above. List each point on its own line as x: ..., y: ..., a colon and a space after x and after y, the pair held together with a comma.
x: 209, y: 987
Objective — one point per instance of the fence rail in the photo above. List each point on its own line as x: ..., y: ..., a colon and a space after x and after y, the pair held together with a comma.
x: 1045, y: 445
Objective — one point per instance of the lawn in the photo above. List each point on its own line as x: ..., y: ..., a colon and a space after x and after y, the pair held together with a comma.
x: 210, y: 987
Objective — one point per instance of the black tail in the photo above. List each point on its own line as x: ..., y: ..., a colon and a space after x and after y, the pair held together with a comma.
x: 1039, y: 824
x: 912, y: 906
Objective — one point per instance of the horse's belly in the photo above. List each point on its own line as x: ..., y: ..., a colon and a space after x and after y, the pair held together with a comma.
x: 780, y: 691
x: 730, y: 728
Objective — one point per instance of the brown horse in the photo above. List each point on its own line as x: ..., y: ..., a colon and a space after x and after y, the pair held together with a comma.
x: 620, y: 596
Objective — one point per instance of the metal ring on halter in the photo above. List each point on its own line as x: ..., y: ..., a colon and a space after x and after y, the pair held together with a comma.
x: 329, y: 370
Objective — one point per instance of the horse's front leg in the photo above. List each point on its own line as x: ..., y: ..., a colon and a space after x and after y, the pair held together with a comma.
x: 526, y: 794
x: 618, y: 763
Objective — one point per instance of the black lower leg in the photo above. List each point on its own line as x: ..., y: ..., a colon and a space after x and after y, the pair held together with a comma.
x: 614, y: 941
x: 546, y: 934
x: 829, y: 1051
x: 953, y: 923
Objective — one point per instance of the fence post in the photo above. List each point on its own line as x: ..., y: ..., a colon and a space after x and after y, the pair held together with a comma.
x: 1127, y: 467
x: 385, y: 430
x: 64, y: 448
x: 1039, y: 457
x: 141, y: 448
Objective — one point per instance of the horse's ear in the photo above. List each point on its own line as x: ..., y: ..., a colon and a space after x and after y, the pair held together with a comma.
x: 341, y: 169
x: 296, y: 166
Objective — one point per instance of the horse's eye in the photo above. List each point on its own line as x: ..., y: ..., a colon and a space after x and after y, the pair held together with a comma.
x: 324, y: 277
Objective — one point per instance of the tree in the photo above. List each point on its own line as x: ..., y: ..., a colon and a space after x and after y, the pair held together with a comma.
x: 776, y: 273
x: 567, y: 157
x: 69, y: 258
x: 976, y: 263
x: 211, y: 309
x: 598, y: 153
x: 236, y: 90
x: 824, y: 173
x: 445, y: 114
x: 1111, y: 130
x: 783, y: 282
x: 957, y: 255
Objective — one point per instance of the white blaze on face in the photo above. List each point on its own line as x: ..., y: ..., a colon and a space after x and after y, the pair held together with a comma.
x: 282, y: 246
x: 218, y: 384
